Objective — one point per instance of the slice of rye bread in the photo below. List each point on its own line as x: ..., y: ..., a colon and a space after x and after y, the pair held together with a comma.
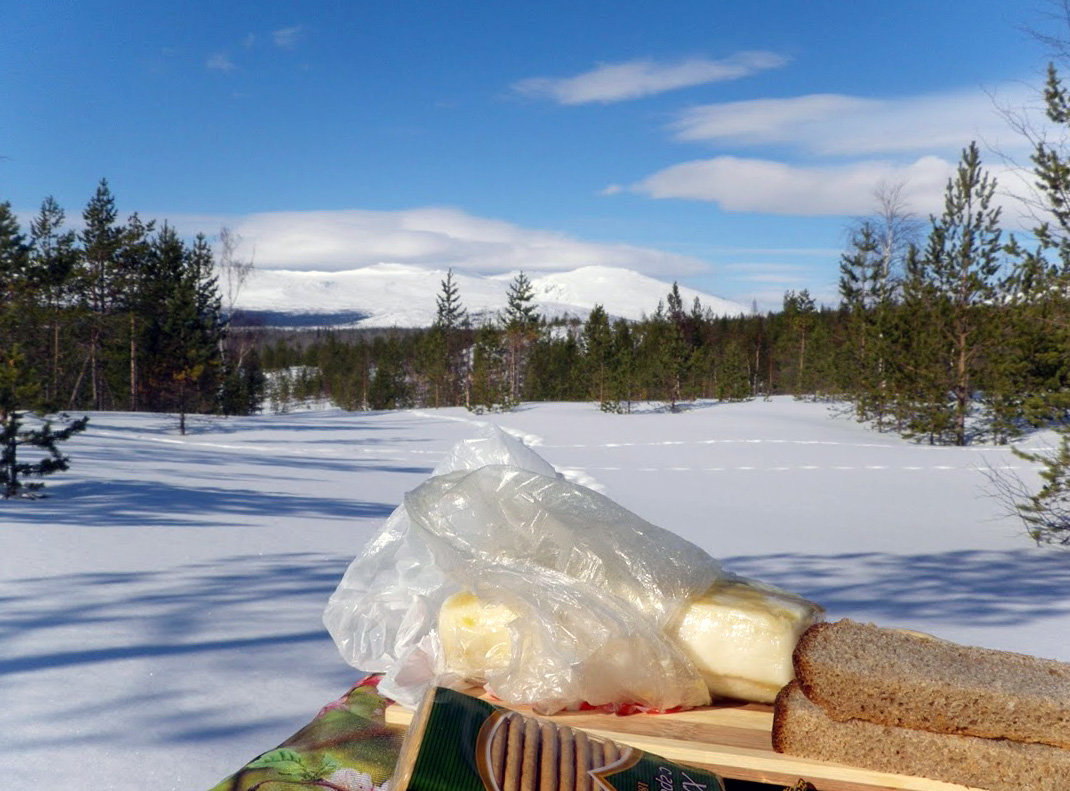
x: 802, y: 729
x: 908, y: 679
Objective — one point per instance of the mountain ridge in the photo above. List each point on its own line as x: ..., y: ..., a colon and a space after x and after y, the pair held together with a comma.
x: 404, y: 295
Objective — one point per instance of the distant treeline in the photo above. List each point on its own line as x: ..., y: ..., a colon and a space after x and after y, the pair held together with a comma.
x: 118, y: 316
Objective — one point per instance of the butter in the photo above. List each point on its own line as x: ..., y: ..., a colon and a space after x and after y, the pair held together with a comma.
x: 739, y: 634
x: 474, y: 635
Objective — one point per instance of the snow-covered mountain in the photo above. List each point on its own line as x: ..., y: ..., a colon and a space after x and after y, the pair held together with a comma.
x: 401, y: 295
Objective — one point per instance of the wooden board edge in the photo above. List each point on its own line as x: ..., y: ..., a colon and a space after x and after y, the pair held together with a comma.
x: 742, y: 763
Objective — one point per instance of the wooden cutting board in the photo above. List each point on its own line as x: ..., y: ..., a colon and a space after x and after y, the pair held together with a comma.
x: 731, y: 740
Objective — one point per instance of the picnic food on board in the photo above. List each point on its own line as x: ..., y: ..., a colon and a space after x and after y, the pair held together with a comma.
x: 909, y: 703
x: 466, y: 744
x: 570, y: 599
x: 739, y: 634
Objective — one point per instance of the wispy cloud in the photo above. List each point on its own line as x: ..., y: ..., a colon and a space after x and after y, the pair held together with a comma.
x: 762, y: 185
x: 441, y: 237
x: 220, y: 61
x: 615, y: 82
x: 287, y: 37
x: 839, y: 125
x: 851, y: 145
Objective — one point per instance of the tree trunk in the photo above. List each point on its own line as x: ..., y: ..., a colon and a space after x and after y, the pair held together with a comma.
x: 133, y: 365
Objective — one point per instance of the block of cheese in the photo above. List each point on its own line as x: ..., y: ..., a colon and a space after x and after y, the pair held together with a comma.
x: 739, y: 634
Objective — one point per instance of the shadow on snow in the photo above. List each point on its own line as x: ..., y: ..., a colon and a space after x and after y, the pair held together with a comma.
x: 954, y: 588
x: 251, y: 622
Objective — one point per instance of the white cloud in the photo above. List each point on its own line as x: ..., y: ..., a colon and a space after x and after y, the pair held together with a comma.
x: 219, y: 62
x: 440, y: 237
x: 764, y: 186
x: 760, y: 185
x: 287, y: 37
x: 839, y: 125
x: 614, y: 82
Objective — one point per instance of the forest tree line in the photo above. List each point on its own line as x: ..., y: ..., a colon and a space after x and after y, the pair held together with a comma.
x: 121, y: 315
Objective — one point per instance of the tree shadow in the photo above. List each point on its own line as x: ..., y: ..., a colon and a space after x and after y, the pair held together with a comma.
x: 146, y: 503
x: 192, y: 640
x: 985, y: 588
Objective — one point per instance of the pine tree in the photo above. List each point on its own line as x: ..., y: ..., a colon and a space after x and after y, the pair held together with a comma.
x: 1046, y: 513
x: 182, y: 338
x: 450, y: 313
x: 389, y: 387
x: 490, y: 382
x: 14, y: 257
x: 17, y: 389
x: 16, y: 290
x: 444, y: 347
x: 799, y: 312
x: 132, y: 268
x: 662, y: 356
x: 520, y: 310
x: 920, y: 379
x: 521, y: 322
x: 101, y: 239
x: 963, y: 258
x: 598, y: 352
x: 622, y: 380
x: 867, y: 295
x: 52, y: 260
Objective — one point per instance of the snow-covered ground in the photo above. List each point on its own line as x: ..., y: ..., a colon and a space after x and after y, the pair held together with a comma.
x: 160, y: 612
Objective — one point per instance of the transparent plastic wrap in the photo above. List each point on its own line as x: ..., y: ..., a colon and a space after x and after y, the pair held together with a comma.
x: 497, y: 570
x: 383, y: 614
x: 592, y: 586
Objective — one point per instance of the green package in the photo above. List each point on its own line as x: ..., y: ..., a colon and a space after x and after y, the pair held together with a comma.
x: 460, y: 743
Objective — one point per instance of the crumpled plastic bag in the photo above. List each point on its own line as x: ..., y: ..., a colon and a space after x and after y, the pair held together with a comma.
x: 593, y: 586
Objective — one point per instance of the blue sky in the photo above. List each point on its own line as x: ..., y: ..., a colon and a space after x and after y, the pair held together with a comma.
x: 726, y: 145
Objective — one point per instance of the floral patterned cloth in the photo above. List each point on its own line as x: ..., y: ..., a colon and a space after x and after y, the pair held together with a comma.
x: 347, y: 747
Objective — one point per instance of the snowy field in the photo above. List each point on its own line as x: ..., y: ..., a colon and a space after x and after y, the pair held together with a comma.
x: 160, y: 612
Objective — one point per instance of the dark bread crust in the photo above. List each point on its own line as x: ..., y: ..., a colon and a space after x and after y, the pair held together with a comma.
x: 800, y: 658
x: 905, y: 679
x: 801, y: 728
